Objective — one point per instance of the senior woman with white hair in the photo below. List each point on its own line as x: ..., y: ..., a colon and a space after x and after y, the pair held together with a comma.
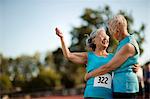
x: 125, y: 82
x: 98, y: 41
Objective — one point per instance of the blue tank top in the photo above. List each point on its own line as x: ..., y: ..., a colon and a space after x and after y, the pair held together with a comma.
x: 92, y: 87
x: 125, y: 80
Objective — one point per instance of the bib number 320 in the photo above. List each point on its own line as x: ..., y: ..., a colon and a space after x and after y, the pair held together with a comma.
x: 103, y: 81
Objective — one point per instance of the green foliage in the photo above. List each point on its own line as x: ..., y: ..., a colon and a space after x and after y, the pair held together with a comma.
x: 47, y: 79
x: 5, y: 83
x: 67, y: 81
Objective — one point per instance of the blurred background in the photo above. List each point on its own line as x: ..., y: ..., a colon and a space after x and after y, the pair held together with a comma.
x: 31, y: 61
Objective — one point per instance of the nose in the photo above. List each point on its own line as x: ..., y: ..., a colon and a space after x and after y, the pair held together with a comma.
x: 106, y: 39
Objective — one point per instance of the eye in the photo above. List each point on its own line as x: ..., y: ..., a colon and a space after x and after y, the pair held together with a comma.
x: 90, y: 40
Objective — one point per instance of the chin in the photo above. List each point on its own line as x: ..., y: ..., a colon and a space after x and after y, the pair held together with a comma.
x: 117, y: 38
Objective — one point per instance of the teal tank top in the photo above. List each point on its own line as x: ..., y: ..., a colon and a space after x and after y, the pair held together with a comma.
x: 97, y: 86
x: 125, y: 80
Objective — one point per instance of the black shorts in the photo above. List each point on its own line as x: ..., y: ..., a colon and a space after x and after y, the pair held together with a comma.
x: 92, y: 98
x: 117, y: 95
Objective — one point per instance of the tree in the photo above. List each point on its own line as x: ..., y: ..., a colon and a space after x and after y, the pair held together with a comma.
x: 5, y: 83
x: 47, y: 79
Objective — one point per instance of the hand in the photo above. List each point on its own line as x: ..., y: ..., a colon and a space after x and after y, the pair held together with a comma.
x: 58, y: 32
x: 136, y: 67
x: 87, y: 76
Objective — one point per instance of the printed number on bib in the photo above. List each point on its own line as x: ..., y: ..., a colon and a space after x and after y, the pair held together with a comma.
x: 103, y: 81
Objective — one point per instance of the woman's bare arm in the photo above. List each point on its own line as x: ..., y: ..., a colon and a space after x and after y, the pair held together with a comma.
x: 76, y: 57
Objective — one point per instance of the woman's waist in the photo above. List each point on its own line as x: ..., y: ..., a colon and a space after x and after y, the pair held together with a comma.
x: 123, y: 70
x: 98, y: 89
x: 91, y: 91
x: 125, y: 76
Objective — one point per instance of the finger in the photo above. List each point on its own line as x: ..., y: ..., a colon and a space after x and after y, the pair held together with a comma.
x: 55, y: 28
x: 134, y: 68
x: 58, y: 29
x: 135, y: 65
x: 85, y: 77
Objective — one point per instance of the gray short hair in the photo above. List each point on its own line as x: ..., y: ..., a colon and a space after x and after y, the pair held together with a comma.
x: 89, y: 40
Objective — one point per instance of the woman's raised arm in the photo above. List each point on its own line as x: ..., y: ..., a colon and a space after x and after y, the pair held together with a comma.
x: 76, y: 57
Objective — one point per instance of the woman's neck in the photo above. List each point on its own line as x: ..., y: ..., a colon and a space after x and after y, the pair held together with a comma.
x: 101, y: 52
x: 124, y: 35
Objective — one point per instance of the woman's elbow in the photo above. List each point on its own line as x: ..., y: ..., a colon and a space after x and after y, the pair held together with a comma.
x: 108, y: 69
x: 68, y: 57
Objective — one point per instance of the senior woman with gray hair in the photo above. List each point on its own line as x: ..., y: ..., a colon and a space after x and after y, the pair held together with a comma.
x: 96, y: 87
x: 125, y: 82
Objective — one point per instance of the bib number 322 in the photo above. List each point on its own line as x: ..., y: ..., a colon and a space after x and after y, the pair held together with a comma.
x: 103, y: 81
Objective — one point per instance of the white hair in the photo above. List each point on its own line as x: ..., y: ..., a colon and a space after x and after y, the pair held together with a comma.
x: 89, y: 40
x: 117, y: 21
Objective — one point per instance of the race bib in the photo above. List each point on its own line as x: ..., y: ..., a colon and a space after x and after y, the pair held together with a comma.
x: 103, y: 81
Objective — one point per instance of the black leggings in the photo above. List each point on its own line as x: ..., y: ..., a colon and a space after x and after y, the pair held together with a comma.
x: 117, y: 95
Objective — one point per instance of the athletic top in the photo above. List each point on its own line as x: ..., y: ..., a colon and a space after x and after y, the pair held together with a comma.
x: 125, y: 80
x: 100, y: 86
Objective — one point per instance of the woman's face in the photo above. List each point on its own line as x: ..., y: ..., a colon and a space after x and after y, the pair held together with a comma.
x: 101, y: 39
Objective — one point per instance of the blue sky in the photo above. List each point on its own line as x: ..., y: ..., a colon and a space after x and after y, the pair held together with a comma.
x: 27, y: 26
